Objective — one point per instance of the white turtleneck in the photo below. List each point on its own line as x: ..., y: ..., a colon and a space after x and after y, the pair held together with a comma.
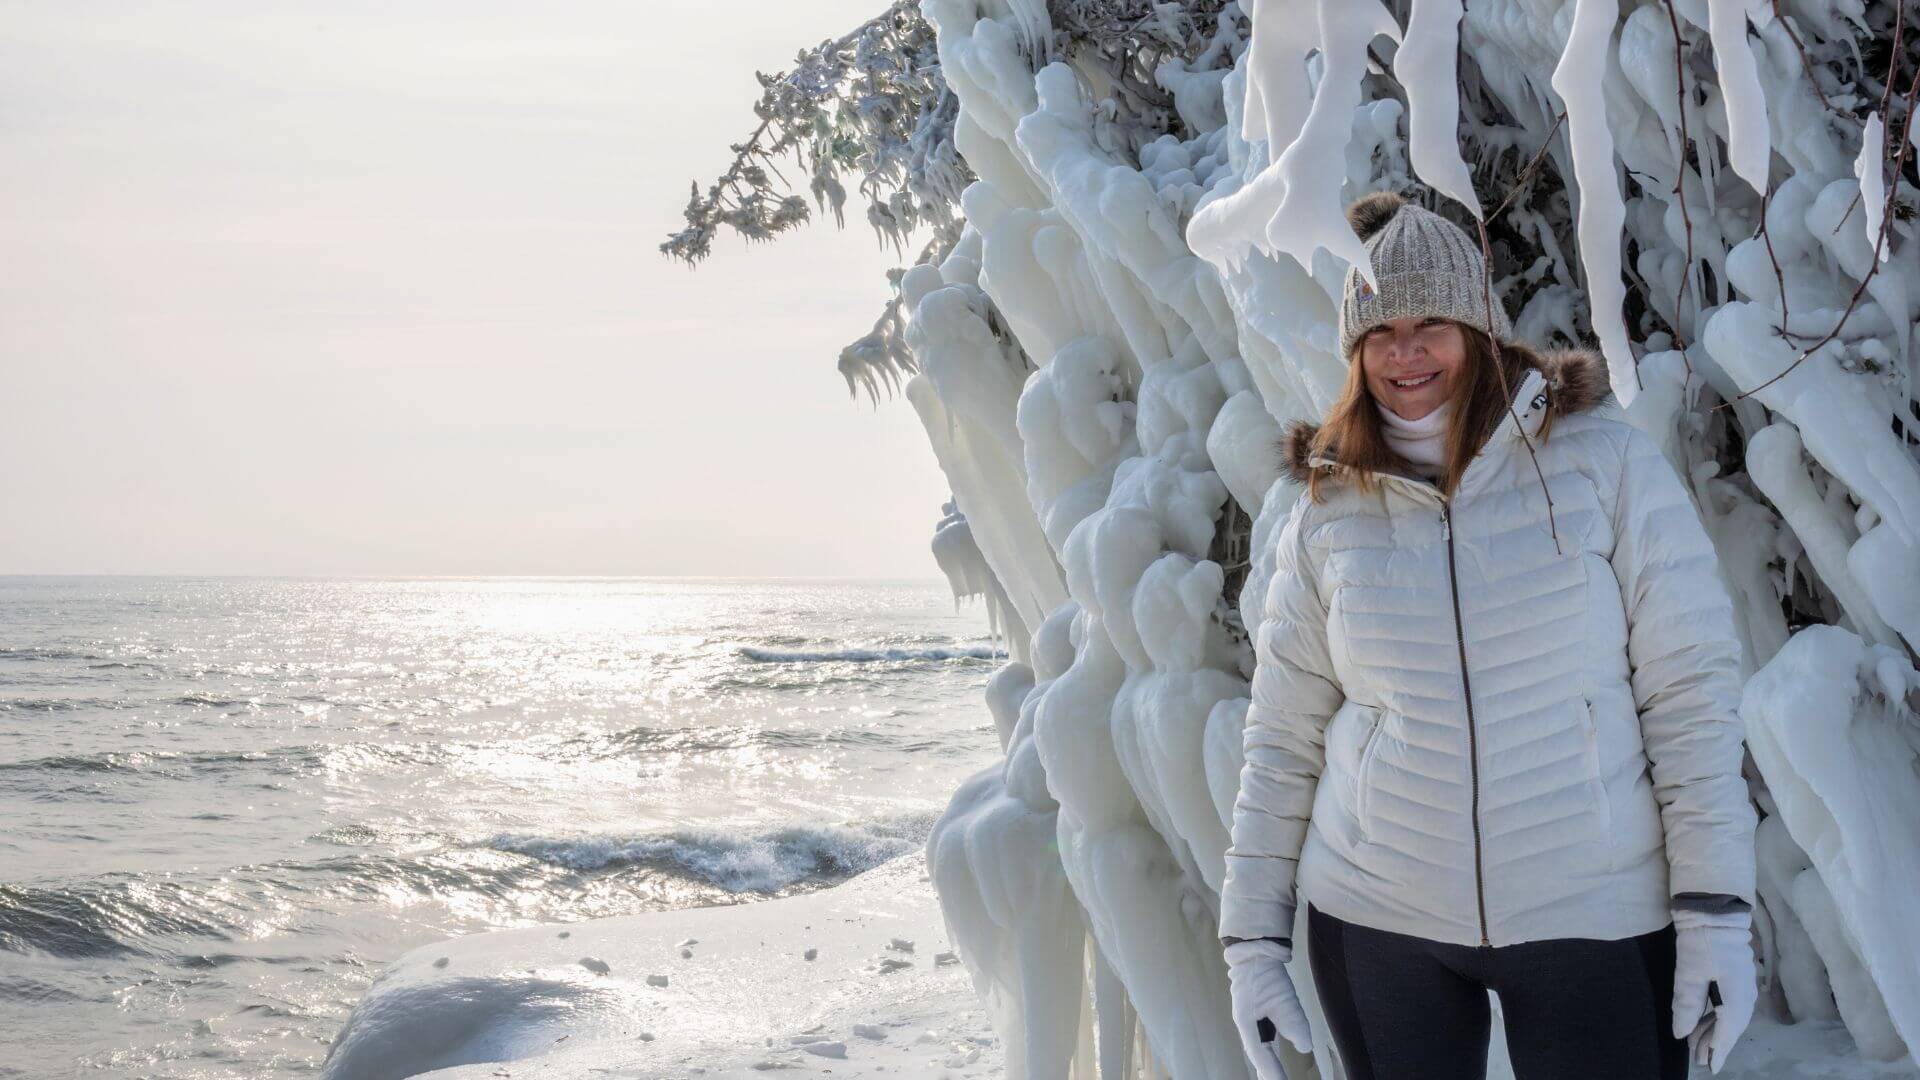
x: 1422, y: 441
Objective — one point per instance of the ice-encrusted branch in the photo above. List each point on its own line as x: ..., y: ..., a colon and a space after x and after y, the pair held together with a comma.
x: 870, y: 104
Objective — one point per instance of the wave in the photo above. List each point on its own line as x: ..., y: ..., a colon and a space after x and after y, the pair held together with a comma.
x: 194, y: 765
x: 735, y: 860
x: 112, y: 761
x: 134, y: 914
x: 109, y: 916
x: 714, y: 739
x: 868, y: 656
x: 37, y: 652
x: 362, y: 757
x: 34, y: 992
x: 62, y: 705
x: 139, y: 914
x: 56, y: 705
x: 161, y: 763
x: 130, y: 665
x: 199, y: 700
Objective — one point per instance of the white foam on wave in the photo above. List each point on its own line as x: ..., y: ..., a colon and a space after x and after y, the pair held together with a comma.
x: 734, y: 859
x: 793, y: 656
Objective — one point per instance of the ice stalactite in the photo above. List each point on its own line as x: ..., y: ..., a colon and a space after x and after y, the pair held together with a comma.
x: 1580, y: 80
x: 966, y: 391
x: 969, y: 575
x: 1004, y: 892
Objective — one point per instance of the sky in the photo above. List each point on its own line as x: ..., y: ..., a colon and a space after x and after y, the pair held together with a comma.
x: 350, y: 288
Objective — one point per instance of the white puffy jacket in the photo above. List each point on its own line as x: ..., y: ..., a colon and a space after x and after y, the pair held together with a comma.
x: 1461, y: 733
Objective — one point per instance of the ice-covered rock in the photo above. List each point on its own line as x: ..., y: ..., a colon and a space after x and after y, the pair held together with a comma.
x: 1831, y: 723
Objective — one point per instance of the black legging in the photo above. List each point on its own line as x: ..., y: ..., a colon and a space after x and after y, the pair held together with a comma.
x: 1405, y: 1008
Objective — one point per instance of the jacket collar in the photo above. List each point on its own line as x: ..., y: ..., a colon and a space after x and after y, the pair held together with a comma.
x: 1557, y: 381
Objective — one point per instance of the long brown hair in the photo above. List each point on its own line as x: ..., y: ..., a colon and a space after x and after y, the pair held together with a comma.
x: 1353, y: 433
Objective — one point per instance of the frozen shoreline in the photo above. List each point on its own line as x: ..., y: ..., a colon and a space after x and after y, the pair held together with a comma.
x: 532, y: 1003
x: 520, y: 1003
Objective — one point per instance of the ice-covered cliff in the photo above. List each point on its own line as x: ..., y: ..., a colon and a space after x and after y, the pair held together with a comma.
x: 1142, y: 288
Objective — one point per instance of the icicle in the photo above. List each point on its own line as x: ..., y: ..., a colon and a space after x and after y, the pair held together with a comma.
x: 1276, y: 74
x: 1313, y: 214
x: 1580, y: 79
x: 1868, y: 166
x: 1274, y: 107
x: 1427, y: 65
x: 1749, y: 145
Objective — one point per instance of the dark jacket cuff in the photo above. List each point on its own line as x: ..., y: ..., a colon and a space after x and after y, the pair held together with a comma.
x: 1226, y: 941
x: 1711, y: 903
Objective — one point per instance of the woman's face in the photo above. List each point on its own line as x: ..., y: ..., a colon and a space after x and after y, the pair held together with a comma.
x: 1410, y: 363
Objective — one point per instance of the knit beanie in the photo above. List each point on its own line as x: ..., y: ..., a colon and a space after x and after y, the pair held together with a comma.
x: 1425, y: 264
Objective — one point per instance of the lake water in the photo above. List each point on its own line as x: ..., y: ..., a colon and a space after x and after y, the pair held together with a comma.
x: 227, y: 802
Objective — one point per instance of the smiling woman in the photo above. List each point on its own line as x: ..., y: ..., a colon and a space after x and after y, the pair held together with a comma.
x: 1489, y: 744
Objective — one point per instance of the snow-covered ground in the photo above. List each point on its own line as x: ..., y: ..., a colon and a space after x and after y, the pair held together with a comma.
x: 1809, y: 1050
x: 740, y: 995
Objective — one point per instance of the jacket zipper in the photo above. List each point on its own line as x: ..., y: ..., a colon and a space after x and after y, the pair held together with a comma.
x: 1466, y: 689
x: 1473, y: 742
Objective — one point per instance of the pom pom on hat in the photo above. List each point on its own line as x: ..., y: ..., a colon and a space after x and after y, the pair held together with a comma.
x: 1370, y: 213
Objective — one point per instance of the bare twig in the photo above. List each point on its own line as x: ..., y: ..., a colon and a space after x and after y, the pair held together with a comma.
x: 1893, y: 59
x: 1486, y: 294
x: 1778, y: 277
x: 1680, y: 193
x: 1805, y: 64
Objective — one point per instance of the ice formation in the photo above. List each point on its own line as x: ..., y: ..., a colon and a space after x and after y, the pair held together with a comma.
x: 1831, y: 725
x: 1164, y: 285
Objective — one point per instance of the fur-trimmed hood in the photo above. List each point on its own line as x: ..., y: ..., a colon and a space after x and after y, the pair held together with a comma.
x: 1575, y: 381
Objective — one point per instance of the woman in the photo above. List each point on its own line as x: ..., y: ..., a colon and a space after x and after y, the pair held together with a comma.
x: 1492, y: 743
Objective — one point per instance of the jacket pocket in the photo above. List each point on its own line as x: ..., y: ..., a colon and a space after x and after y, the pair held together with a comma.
x: 1337, y: 635
x: 1596, y: 781
x: 1362, y: 773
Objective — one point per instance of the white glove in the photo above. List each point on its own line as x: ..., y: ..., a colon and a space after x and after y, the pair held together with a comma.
x: 1262, y: 990
x: 1712, y: 948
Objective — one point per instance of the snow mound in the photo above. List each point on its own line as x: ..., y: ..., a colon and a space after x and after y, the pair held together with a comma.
x: 409, y: 1025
